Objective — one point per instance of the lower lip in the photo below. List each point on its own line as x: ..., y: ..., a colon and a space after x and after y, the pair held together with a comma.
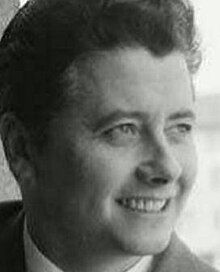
x: 163, y: 211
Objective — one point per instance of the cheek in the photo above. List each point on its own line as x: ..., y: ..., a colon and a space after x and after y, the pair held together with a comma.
x: 101, y: 175
x: 107, y: 171
x: 188, y: 160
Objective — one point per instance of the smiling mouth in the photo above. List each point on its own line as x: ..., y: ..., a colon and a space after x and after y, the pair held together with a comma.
x: 144, y: 204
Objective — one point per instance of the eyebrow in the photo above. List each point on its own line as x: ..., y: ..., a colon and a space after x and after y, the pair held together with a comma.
x: 181, y: 115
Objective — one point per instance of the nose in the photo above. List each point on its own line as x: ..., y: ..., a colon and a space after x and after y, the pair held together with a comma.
x: 159, y: 166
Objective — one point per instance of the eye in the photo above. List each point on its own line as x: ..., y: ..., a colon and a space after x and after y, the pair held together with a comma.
x: 123, y: 134
x: 184, y: 128
x: 180, y: 132
x: 126, y: 128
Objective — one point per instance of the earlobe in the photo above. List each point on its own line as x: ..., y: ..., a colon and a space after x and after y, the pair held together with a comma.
x: 17, y: 147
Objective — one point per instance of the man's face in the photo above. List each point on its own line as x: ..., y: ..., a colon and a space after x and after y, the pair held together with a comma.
x: 121, y: 161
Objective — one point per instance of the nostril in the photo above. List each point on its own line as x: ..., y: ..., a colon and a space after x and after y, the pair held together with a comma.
x: 152, y: 179
x: 159, y: 181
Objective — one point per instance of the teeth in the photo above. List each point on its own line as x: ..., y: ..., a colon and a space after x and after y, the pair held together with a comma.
x: 124, y: 202
x: 133, y: 204
x: 142, y: 204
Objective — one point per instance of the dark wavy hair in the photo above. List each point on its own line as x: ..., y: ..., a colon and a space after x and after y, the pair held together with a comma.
x: 47, y: 36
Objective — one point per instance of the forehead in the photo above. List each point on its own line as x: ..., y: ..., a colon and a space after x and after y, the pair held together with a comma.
x: 133, y: 80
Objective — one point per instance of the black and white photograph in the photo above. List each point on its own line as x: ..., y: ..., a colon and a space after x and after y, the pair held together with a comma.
x: 109, y: 136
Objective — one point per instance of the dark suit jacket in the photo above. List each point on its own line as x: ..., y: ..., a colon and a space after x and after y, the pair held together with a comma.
x: 176, y: 258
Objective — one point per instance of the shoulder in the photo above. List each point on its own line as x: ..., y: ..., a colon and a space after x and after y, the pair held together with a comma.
x: 10, y: 207
x: 11, y: 236
x: 9, y: 210
x: 10, y: 217
x: 179, y: 258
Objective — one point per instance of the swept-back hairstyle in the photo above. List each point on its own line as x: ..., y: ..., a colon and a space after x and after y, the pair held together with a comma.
x: 46, y: 36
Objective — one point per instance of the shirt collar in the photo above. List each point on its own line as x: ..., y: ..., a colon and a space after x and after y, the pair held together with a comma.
x: 36, y: 262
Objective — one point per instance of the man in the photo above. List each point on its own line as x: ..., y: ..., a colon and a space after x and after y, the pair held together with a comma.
x: 97, y: 118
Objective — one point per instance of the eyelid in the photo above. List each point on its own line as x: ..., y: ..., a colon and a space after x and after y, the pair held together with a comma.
x: 181, y: 129
x: 119, y: 123
x: 190, y: 123
x: 186, y: 126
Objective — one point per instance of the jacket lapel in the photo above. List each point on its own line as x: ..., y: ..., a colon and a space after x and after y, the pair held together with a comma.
x: 178, y: 258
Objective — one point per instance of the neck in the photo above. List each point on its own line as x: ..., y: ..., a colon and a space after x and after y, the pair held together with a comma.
x: 117, y: 264
x: 85, y: 259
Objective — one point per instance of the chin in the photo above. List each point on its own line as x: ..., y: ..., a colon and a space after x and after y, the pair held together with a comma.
x: 150, y: 245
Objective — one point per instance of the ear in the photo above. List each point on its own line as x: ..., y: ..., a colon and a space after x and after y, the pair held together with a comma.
x: 18, y: 148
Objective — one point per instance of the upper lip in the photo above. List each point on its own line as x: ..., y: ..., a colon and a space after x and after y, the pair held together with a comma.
x: 145, y: 198
x: 148, y: 197
x: 152, y: 196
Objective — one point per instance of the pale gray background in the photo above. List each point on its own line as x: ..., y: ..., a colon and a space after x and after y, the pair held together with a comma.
x: 8, y: 188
